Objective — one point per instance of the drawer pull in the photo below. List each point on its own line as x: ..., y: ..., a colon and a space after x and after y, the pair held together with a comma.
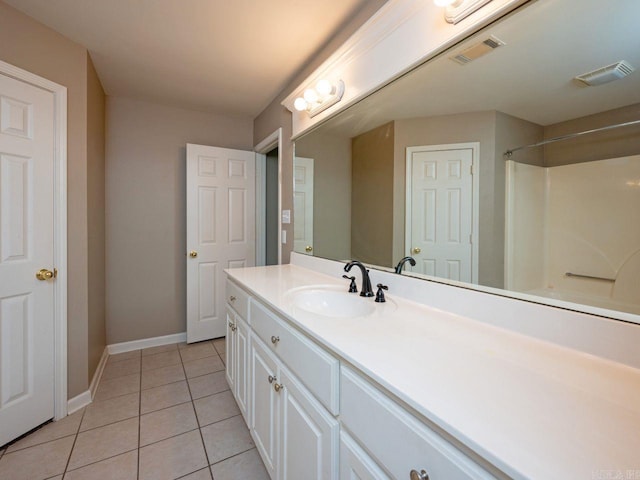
x: 278, y: 386
x: 415, y: 475
x: 232, y: 298
x: 274, y: 339
x: 272, y: 379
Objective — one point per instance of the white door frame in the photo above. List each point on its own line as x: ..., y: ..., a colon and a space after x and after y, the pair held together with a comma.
x: 475, y: 178
x: 262, y: 148
x: 60, y: 228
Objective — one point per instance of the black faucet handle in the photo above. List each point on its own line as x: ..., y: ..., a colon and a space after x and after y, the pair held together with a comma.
x: 352, y: 285
x: 380, y: 294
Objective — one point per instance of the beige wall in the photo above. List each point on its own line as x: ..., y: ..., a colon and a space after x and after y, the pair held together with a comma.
x: 275, y: 116
x: 30, y: 45
x: 372, y: 195
x: 146, y: 203
x: 97, y: 338
x: 620, y: 142
x: 331, y: 192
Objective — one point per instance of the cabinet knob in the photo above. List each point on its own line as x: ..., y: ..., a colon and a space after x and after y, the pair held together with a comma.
x: 274, y: 339
x: 278, y: 386
x: 272, y: 379
x: 415, y: 475
x: 232, y: 298
x: 234, y: 328
x: 230, y: 325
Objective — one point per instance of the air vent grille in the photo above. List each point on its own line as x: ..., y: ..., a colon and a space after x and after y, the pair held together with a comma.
x: 477, y: 50
x: 606, y: 74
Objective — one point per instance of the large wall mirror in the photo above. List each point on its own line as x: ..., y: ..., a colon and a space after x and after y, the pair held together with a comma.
x: 422, y: 168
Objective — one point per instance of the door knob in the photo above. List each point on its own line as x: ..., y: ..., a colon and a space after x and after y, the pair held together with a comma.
x: 193, y: 254
x: 308, y: 249
x: 278, y: 386
x: 416, y: 250
x: 45, y: 274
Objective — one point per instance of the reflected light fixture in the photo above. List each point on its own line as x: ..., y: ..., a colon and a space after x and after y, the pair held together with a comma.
x: 458, y: 10
x: 317, y: 99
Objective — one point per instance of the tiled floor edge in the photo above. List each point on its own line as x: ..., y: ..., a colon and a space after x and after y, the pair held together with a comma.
x: 146, y: 343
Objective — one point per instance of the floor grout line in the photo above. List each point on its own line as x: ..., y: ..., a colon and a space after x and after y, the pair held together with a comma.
x: 98, y: 461
x: 73, y: 446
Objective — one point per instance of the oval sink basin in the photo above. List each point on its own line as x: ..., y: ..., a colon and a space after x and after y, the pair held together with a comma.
x: 332, y: 303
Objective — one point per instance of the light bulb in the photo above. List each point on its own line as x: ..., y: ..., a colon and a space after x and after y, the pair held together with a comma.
x: 324, y: 88
x: 300, y: 104
x: 310, y: 95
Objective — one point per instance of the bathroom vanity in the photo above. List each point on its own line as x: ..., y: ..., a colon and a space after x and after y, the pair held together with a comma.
x: 402, y: 390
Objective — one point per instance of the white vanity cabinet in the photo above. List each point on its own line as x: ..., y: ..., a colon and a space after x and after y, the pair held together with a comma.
x: 237, y: 347
x: 404, y: 446
x: 295, y: 434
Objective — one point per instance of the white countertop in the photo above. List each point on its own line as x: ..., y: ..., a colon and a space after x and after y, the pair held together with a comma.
x: 531, y: 408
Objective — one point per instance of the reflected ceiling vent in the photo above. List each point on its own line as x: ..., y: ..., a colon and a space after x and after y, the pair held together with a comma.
x: 478, y: 50
x: 606, y: 74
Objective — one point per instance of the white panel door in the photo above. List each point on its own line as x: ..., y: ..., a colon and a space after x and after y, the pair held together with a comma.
x: 26, y: 246
x: 303, y: 205
x: 441, y: 212
x: 220, y: 231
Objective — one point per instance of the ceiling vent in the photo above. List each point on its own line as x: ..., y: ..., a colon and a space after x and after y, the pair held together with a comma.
x: 606, y: 74
x: 478, y: 50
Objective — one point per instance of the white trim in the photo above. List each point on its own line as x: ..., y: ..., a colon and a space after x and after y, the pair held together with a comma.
x: 475, y: 187
x: 262, y: 148
x: 79, y: 401
x: 95, y: 381
x: 146, y: 343
x: 261, y: 211
x: 60, y: 228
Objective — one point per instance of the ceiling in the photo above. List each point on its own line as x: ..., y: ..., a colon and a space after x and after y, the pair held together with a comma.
x: 548, y: 43
x: 227, y: 56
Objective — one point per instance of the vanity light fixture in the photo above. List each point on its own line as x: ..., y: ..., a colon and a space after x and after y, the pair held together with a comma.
x: 446, y: 3
x: 317, y: 99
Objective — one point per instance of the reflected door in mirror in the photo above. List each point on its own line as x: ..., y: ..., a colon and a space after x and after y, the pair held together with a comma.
x: 303, y: 205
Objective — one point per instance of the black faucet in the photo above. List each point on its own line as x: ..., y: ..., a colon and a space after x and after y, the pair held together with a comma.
x: 366, y: 290
x: 401, y: 263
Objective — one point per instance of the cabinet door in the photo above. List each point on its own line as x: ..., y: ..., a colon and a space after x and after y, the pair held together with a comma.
x: 264, y: 405
x: 242, y: 367
x: 355, y: 464
x: 230, y: 351
x: 309, y: 434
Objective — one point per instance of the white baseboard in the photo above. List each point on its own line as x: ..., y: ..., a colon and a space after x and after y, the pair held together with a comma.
x: 146, y: 343
x: 86, y: 397
x: 95, y: 381
x: 76, y: 403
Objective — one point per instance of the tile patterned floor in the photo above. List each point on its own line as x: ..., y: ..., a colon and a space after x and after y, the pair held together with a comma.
x: 160, y: 413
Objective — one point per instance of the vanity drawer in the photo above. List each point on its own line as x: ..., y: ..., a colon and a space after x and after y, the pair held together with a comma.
x: 317, y: 369
x: 238, y: 299
x: 396, y: 439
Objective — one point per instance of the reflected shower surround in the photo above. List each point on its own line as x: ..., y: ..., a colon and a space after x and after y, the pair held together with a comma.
x: 559, y: 225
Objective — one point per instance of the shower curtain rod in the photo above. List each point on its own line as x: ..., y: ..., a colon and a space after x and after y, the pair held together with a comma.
x: 509, y: 153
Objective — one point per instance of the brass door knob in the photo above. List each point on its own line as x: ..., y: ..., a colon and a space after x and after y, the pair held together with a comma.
x: 193, y: 254
x: 416, y: 250
x: 45, y: 274
x: 308, y: 249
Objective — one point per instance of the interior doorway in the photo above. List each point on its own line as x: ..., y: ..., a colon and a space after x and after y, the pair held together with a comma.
x: 269, y: 200
x: 271, y: 207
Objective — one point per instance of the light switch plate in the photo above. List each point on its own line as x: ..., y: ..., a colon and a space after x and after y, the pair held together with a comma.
x: 286, y: 216
x: 284, y: 237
